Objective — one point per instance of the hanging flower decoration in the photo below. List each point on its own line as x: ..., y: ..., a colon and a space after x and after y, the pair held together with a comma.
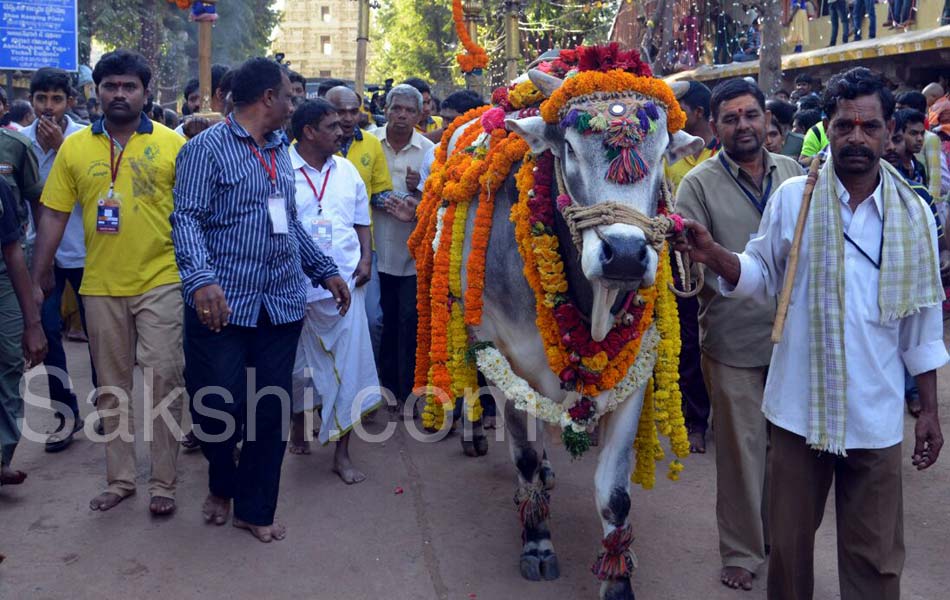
x: 201, y: 10
x: 475, y: 58
x: 608, y: 92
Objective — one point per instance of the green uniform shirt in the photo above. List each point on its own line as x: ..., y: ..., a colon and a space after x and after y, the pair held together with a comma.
x: 19, y: 169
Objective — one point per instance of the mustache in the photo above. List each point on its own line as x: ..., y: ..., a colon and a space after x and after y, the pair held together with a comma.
x: 861, y: 151
x: 118, y: 104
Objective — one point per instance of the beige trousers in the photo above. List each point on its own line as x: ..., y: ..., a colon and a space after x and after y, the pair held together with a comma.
x: 869, y: 512
x: 147, y: 330
x: 741, y: 436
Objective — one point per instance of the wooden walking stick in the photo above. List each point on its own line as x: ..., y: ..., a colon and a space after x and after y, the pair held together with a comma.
x: 779, y: 326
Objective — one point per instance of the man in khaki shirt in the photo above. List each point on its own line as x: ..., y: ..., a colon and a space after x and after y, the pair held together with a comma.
x: 405, y: 150
x: 727, y: 194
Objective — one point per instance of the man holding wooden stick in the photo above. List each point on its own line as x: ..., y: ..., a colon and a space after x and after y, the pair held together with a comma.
x: 864, y: 303
x: 727, y: 195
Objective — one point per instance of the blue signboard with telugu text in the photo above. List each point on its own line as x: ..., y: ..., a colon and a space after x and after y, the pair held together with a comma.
x: 38, y: 33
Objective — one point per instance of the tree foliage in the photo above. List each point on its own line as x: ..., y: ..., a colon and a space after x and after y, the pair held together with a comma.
x: 164, y: 35
x: 415, y: 38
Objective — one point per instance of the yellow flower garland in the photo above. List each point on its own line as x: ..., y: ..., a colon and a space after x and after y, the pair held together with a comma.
x: 662, y: 411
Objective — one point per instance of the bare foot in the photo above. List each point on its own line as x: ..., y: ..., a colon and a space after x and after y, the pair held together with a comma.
x: 216, y: 509
x: 265, y: 533
x: 161, y: 506
x: 107, y: 500
x: 347, y: 472
x: 488, y: 422
x: 697, y: 442
x: 299, y: 444
x: 299, y: 448
x: 10, y: 476
x: 737, y: 578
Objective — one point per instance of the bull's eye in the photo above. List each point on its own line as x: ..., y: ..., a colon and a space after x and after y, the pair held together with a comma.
x: 568, y: 148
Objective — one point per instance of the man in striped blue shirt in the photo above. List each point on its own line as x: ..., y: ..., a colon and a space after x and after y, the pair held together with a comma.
x: 240, y: 249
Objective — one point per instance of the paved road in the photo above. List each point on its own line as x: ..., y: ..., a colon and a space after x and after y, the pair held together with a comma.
x: 451, y: 535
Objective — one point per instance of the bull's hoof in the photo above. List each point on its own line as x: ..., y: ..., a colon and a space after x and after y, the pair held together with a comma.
x: 549, y: 567
x: 531, y: 567
x: 617, y: 589
x: 468, y: 447
x: 548, y: 478
x: 481, y: 445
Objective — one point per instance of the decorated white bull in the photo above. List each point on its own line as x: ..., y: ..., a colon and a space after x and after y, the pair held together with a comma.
x: 542, y: 259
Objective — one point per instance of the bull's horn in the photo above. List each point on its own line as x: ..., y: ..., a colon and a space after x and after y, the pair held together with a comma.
x: 679, y: 88
x: 547, y: 84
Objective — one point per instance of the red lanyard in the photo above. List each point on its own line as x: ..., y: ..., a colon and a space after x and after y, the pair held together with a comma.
x: 272, y: 168
x: 113, y: 163
x: 323, y: 189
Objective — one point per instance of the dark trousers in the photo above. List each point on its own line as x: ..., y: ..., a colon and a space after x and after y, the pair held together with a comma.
x: 868, y: 510
x: 860, y: 8
x: 839, y: 12
x: 223, y: 364
x: 695, y: 397
x: 53, y: 328
x: 398, y: 344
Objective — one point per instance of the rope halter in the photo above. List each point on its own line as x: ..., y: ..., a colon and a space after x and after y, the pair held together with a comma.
x: 657, y: 230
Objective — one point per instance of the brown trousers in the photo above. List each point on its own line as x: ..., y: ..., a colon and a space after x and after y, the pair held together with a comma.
x: 868, y: 509
x: 740, y: 433
x: 147, y: 330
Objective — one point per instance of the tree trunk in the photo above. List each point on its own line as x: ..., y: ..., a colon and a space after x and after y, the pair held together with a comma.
x: 770, y: 54
x: 152, y: 32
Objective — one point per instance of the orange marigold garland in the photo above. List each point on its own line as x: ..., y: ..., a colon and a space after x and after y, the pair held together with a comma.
x: 500, y: 161
x: 589, y: 82
x: 476, y: 58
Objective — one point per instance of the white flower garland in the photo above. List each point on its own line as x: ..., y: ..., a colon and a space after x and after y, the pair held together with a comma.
x: 438, y: 228
x: 493, y: 364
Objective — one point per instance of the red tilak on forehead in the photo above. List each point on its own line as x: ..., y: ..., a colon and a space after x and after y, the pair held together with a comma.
x: 858, y: 122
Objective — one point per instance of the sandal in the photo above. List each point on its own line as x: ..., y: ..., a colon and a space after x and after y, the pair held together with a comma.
x: 17, y: 478
x: 190, y: 442
x: 60, y: 439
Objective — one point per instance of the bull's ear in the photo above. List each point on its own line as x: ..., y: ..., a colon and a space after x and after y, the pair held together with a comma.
x: 683, y: 144
x: 532, y: 131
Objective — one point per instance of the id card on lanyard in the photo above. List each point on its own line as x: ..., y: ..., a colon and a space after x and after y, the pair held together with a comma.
x: 758, y: 203
x: 276, y: 203
x: 109, y: 206
x: 321, y: 229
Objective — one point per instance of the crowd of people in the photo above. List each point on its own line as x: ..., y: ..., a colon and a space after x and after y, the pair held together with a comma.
x: 260, y: 264
x: 147, y: 218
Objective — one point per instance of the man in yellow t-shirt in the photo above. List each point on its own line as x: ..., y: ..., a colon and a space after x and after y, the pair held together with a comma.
x: 121, y: 171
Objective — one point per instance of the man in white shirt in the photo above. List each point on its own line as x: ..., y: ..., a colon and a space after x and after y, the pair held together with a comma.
x: 405, y: 150
x: 865, y: 305
x: 334, y: 354
x: 51, y: 93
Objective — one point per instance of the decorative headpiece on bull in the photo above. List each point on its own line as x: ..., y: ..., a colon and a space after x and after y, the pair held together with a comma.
x: 543, y: 265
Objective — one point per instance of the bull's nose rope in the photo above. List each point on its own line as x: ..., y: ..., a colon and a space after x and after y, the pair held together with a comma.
x: 656, y: 230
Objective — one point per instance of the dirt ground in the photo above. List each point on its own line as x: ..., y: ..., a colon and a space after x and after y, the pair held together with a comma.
x: 428, y: 524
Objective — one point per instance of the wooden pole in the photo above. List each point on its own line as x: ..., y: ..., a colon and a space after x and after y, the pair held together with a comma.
x: 778, y: 327
x: 362, y: 41
x: 512, y: 39
x: 204, y: 63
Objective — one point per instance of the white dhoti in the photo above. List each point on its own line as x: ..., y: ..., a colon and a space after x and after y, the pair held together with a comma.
x: 335, y: 368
